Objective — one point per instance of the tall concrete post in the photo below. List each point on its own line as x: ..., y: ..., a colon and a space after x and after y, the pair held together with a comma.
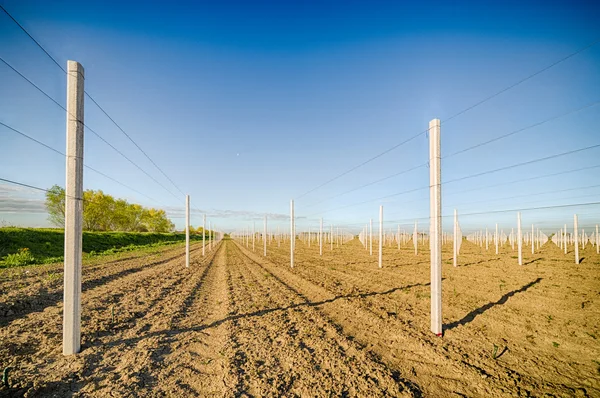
x: 331, y: 237
x: 371, y: 237
x: 292, y: 233
x: 597, y: 241
x: 381, y: 236
x: 560, y: 239
x: 576, y: 243
x: 253, y: 233
x: 187, y: 230
x: 565, y: 230
x: 73, y: 210
x: 512, y: 238
x: 203, y: 233
x: 496, y: 238
x: 321, y: 238
x: 532, y: 239
x: 455, y: 248
x: 416, y: 238
x: 519, y: 239
x: 265, y: 238
x: 435, y: 225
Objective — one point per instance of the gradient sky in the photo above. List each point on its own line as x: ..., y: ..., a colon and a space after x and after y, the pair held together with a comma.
x: 248, y: 104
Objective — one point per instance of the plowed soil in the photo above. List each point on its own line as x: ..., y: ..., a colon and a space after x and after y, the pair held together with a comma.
x: 239, y: 324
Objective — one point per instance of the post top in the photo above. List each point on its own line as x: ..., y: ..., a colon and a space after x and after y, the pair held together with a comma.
x: 434, y: 122
x: 74, y: 67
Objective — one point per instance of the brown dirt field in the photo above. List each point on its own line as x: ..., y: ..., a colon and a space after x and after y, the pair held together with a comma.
x: 237, y: 324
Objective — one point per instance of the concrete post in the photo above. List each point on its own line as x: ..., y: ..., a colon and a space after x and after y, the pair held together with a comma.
x: 380, y: 236
x: 519, y: 239
x: 187, y: 231
x: 331, y: 236
x: 253, y: 233
x: 597, y: 241
x: 532, y: 239
x: 576, y: 243
x: 203, y: 233
x: 565, y: 229
x: 371, y: 237
x: 560, y: 239
x: 265, y: 238
x: 512, y: 238
x: 455, y: 248
x: 292, y: 233
x: 73, y: 210
x: 321, y: 238
x: 486, y: 239
x: 435, y: 225
x: 416, y: 238
x: 496, y: 238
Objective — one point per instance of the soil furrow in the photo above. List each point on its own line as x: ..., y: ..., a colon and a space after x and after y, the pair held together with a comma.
x: 333, y: 362
x: 98, y: 329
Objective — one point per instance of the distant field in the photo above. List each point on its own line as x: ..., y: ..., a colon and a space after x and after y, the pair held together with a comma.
x: 47, y: 245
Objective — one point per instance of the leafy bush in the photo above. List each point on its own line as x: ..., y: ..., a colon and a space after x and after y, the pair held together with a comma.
x: 22, y: 257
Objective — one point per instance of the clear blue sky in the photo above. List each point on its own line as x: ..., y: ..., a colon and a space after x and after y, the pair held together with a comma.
x: 246, y: 105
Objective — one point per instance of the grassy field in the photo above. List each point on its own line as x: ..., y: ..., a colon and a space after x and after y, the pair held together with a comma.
x: 47, y: 245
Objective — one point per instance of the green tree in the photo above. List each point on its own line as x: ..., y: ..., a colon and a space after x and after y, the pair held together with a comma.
x: 102, y: 212
x: 55, y: 205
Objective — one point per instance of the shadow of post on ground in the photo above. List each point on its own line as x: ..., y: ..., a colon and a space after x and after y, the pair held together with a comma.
x: 473, y: 314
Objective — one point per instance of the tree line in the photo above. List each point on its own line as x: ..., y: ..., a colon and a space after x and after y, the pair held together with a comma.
x: 102, y: 212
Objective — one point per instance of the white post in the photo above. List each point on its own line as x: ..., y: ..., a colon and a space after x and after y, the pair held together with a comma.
x: 455, y: 257
x: 321, y: 238
x: 496, y: 238
x: 380, y: 236
x: 416, y: 238
x: 576, y: 239
x: 560, y: 239
x: 532, y: 239
x: 565, y: 229
x: 371, y: 237
x: 331, y: 236
x: 512, y: 238
x: 187, y: 231
x: 253, y: 233
x: 597, y: 241
x: 203, y: 233
x: 292, y: 233
x: 486, y: 239
x: 73, y: 210
x: 435, y: 225
x: 519, y: 239
x: 265, y: 238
